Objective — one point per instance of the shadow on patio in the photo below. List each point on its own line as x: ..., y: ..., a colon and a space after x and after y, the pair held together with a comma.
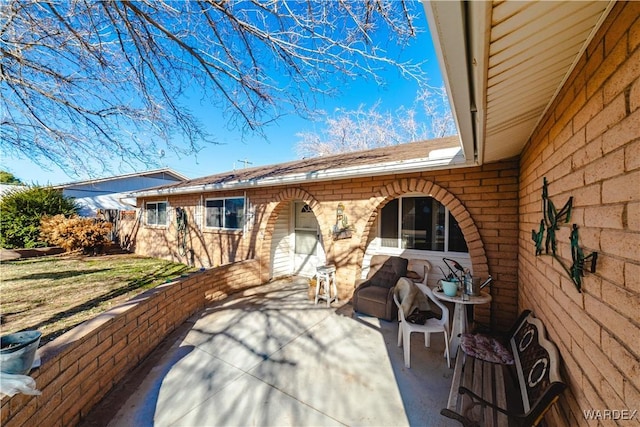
x: 268, y: 356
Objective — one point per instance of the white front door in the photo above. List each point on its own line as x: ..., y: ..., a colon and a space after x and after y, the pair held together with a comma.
x: 306, y: 249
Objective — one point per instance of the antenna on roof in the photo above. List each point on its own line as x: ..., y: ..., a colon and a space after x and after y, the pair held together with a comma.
x: 245, y: 161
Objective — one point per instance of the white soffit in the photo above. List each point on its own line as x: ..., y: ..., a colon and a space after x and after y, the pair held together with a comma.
x: 533, y: 47
x: 514, y: 58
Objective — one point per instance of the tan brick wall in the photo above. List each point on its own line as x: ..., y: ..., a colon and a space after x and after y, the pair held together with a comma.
x: 588, y: 147
x: 484, y: 200
x: 81, y: 366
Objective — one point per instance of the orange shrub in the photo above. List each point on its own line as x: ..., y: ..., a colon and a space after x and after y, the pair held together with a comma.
x: 75, y: 233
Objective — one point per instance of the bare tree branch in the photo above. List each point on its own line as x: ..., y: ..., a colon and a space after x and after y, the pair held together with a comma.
x: 86, y: 81
x: 346, y: 131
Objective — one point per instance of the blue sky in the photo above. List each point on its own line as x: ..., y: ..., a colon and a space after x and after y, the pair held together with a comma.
x: 279, y: 145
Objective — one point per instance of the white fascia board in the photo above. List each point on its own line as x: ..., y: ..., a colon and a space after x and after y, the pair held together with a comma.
x: 448, y: 28
x: 438, y: 159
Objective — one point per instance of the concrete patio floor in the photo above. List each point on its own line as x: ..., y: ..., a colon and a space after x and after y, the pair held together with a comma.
x: 270, y: 357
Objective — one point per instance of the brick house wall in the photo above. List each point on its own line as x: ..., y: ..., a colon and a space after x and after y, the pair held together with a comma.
x: 484, y: 201
x: 588, y: 147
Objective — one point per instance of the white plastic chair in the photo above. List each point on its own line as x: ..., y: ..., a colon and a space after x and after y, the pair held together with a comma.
x: 405, y: 329
x: 421, y: 266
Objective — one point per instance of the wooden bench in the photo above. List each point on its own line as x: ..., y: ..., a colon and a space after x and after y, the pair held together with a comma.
x: 486, y: 393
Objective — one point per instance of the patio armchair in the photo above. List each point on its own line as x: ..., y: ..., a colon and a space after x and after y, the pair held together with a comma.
x: 374, y: 296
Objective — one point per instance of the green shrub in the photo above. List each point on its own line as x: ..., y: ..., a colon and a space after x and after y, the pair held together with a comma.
x: 21, y: 211
x: 88, y: 234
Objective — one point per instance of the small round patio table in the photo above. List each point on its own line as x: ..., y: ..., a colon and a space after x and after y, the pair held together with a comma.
x: 460, y: 323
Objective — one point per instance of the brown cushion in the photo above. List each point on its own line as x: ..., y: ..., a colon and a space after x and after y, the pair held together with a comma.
x: 485, y: 348
x: 420, y: 317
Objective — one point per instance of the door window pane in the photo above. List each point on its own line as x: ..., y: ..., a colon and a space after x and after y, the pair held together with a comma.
x: 306, y: 242
x: 305, y: 217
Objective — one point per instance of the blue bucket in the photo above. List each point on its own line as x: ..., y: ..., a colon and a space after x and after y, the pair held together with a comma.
x: 17, y: 351
x: 450, y: 288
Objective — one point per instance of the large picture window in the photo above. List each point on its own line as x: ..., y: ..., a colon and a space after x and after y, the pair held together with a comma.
x: 156, y: 213
x: 225, y: 213
x: 420, y: 223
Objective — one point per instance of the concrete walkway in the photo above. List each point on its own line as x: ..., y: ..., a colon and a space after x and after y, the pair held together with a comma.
x: 270, y: 357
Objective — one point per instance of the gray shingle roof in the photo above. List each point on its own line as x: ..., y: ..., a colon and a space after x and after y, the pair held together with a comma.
x: 377, y: 156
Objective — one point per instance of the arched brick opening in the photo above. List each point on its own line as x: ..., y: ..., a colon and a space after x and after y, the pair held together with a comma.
x: 415, y: 185
x: 271, y: 212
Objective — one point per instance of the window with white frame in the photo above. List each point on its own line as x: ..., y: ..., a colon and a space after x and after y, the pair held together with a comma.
x: 420, y: 223
x: 156, y: 213
x: 225, y: 213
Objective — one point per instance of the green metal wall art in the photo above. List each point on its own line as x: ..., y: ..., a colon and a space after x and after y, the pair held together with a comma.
x: 551, y: 222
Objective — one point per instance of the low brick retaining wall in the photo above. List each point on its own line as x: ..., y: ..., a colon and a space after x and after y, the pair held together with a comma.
x: 81, y: 366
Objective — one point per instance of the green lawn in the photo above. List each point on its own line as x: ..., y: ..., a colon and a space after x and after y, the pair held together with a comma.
x: 54, y: 294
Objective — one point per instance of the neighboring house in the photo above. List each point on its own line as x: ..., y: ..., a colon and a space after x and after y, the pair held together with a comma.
x: 110, y: 198
x: 7, y: 188
x: 114, y: 193
x: 539, y: 90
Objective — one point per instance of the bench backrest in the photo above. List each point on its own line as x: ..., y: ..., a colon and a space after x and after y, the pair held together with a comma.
x: 536, y: 360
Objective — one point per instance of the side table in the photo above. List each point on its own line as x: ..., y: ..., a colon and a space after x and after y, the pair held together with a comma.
x: 326, y: 283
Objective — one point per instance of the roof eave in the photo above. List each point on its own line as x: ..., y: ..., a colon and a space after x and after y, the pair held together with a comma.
x: 446, y: 161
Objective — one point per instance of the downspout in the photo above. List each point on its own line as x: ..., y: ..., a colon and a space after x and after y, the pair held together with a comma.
x: 478, y: 34
x: 471, y: 63
x: 245, y: 227
x: 451, y: 25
